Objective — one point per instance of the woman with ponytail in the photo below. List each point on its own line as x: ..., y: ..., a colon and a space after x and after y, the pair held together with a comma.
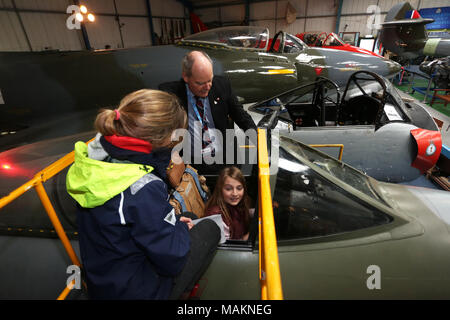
x: 132, y: 244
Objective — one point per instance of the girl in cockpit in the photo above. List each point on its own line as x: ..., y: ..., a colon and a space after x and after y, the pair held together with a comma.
x: 231, y: 200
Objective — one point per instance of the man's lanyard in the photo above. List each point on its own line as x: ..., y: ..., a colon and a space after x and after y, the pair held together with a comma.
x: 194, y: 106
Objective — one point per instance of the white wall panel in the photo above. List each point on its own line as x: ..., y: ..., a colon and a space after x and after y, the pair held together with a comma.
x: 320, y: 24
x: 6, y: 4
x: 354, y: 16
x: 434, y: 3
x: 157, y: 26
x: 294, y: 28
x: 54, y: 5
x: 137, y: 7
x: 12, y: 37
x: 136, y: 32
x: 209, y: 14
x: 358, y: 24
x: 181, y: 27
x: 99, y: 6
x: 104, y: 32
x: 262, y: 10
x: 353, y: 24
x: 360, y: 6
x: 323, y: 7
x: 356, y: 6
x: 386, y: 5
x: 49, y: 31
x: 300, y: 6
x: 281, y: 9
x: 297, y: 27
x: 233, y: 13
x: 268, y: 10
x: 167, y: 8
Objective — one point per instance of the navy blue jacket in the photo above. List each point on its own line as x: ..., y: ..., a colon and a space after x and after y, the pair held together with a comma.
x: 133, y: 245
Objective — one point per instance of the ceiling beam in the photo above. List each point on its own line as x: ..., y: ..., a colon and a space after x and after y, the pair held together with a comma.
x: 218, y: 3
x: 187, y: 4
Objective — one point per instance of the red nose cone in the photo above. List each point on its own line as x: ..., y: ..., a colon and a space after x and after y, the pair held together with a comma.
x: 429, y: 145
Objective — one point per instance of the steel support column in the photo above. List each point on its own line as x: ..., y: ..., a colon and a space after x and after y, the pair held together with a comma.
x: 150, y: 22
x: 338, y: 16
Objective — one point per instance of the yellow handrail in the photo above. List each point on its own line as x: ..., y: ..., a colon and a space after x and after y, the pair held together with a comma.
x: 37, y: 183
x: 39, y: 177
x: 66, y: 291
x: 269, y: 268
x: 340, y: 146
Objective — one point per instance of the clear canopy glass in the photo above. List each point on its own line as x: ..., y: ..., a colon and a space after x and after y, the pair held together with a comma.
x: 246, y: 37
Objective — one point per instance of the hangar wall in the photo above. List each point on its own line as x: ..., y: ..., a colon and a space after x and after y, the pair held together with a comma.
x: 311, y: 15
x: 36, y: 25
x: 272, y: 14
x: 356, y: 15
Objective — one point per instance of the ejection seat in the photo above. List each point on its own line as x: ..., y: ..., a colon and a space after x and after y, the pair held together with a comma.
x: 360, y: 110
x: 366, y: 107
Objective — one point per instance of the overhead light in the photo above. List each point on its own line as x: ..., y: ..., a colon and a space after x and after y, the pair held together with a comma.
x: 91, y: 17
x: 79, y: 17
x: 83, y: 9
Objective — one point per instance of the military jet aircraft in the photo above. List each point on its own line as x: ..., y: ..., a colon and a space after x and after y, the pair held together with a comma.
x: 383, y: 136
x: 332, y: 41
x: 340, y: 235
x: 49, y: 94
x: 407, y: 36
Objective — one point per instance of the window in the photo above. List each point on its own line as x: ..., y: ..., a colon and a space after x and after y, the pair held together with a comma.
x: 332, y: 41
x: 292, y: 44
x: 306, y: 204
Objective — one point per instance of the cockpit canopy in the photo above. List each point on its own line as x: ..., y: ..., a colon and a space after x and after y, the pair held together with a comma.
x: 319, y: 39
x: 244, y: 37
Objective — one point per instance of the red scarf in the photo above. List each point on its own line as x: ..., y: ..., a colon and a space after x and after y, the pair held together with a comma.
x: 130, y: 143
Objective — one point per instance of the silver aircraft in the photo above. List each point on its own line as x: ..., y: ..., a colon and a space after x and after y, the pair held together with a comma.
x: 340, y: 233
x: 379, y: 133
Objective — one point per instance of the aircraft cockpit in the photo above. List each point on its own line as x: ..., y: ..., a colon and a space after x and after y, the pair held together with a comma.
x: 236, y: 37
x: 333, y: 40
x: 367, y: 99
x: 284, y: 42
x: 319, y: 39
x: 303, y: 195
x: 247, y: 38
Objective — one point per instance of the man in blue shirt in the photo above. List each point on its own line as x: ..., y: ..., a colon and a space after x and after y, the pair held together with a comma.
x: 210, y: 104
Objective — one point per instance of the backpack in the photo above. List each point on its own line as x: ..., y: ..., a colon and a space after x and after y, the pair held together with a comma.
x: 190, y: 191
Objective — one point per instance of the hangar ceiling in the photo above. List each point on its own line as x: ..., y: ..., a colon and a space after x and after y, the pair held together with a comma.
x: 36, y: 25
x: 214, y: 3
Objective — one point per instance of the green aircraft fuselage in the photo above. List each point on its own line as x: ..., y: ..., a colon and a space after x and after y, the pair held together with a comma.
x: 36, y: 84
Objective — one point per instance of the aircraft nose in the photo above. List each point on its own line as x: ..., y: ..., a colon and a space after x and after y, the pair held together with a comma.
x: 393, y: 67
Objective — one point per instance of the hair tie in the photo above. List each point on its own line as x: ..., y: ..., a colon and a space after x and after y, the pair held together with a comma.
x: 117, y: 114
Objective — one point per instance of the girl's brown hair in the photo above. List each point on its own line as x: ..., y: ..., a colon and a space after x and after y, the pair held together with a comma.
x: 146, y: 114
x: 217, y: 197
